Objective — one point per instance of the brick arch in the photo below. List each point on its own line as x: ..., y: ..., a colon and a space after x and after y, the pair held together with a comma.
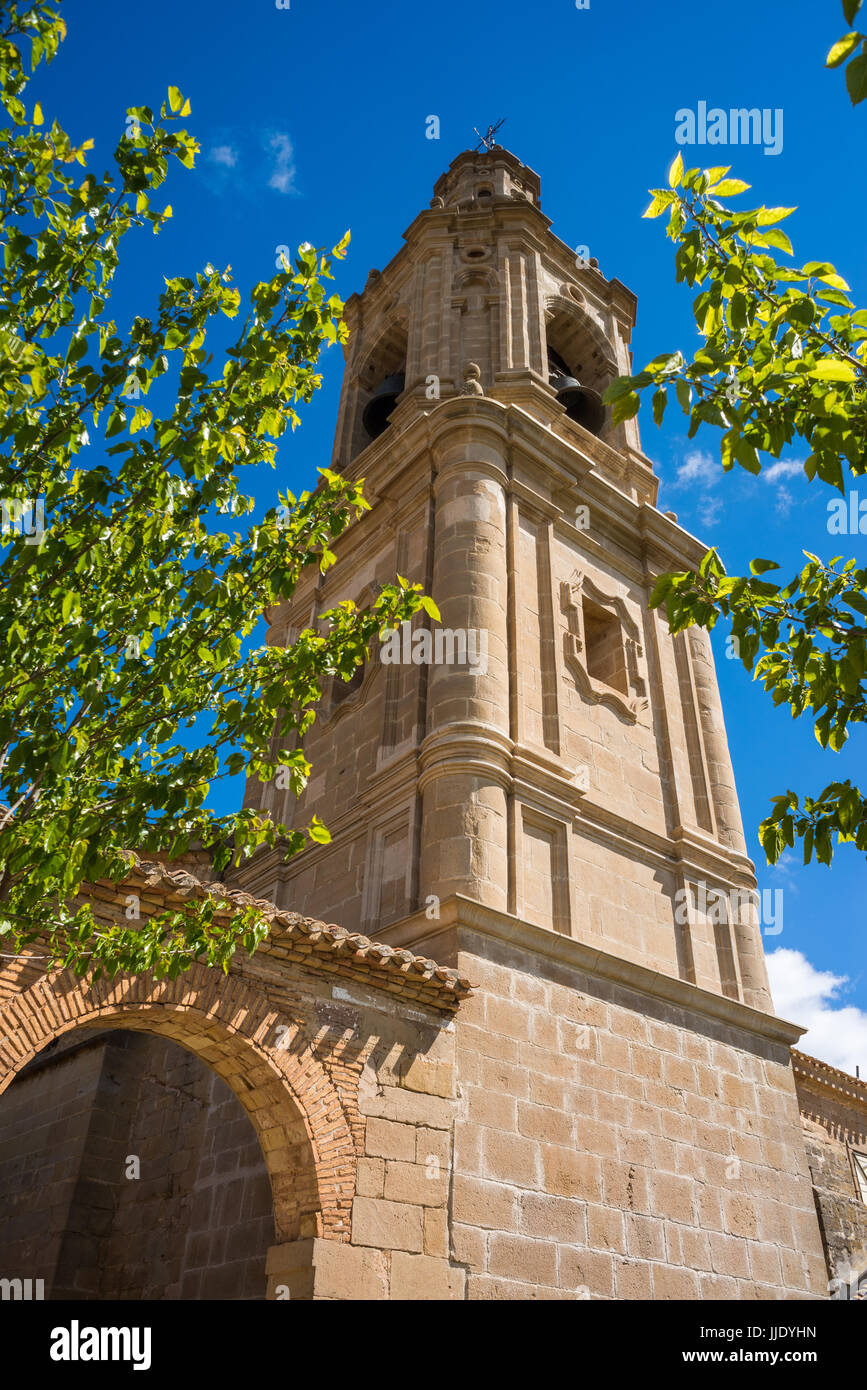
x: 285, y: 1090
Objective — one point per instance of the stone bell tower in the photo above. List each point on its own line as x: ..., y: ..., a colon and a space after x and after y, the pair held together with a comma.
x: 539, y: 790
x: 581, y: 780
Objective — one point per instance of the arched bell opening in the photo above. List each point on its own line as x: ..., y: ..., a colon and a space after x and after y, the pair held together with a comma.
x: 581, y: 365
x: 379, y: 386
x: 379, y: 408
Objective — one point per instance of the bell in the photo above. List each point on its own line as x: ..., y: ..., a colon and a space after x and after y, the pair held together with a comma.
x: 381, y: 404
x: 583, y: 404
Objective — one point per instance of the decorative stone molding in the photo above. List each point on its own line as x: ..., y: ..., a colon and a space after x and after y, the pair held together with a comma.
x: 464, y: 924
x: 629, y: 702
x: 568, y: 292
x: 563, y: 307
x: 472, y: 380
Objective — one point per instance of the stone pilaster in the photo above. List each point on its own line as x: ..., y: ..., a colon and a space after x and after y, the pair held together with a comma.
x: 464, y: 757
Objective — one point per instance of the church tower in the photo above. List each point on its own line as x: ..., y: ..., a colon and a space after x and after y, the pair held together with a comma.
x: 540, y: 791
x: 573, y: 770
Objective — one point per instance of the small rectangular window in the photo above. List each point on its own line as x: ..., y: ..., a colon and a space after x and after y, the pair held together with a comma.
x: 605, y: 653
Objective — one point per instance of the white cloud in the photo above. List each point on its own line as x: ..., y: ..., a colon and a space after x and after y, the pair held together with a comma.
x: 775, y: 474
x: 700, y: 472
x: 283, y: 173
x: 226, y: 155
x: 836, y: 1033
x: 783, y: 468
x: 709, y: 508
x: 784, y: 501
x: 698, y: 467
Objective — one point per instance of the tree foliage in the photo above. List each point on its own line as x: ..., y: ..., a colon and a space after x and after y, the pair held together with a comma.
x: 852, y: 50
x: 131, y: 570
x: 783, y: 357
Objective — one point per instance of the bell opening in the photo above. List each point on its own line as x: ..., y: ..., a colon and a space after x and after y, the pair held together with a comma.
x: 376, y: 413
x: 582, y: 403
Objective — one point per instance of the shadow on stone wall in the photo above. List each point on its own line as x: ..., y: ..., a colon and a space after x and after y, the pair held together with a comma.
x: 129, y: 1170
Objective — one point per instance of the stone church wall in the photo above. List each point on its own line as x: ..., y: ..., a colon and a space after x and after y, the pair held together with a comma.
x: 834, y: 1107
x: 614, y: 1145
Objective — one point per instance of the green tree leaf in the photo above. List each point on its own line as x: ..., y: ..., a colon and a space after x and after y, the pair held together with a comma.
x: 783, y: 358
x: 841, y: 49
x: 728, y: 187
x: 856, y: 79
x: 834, y: 370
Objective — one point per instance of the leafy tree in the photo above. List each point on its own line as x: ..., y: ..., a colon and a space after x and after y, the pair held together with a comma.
x: 849, y: 45
x: 125, y: 605
x: 784, y: 356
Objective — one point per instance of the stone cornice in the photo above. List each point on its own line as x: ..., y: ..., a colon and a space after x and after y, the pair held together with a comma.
x: 696, y: 849
x: 838, y: 1085
x: 684, y: 850
x: 538, y: 775
x: 533, y: 773
x: 535, y: 776
x: 503, y: 215
x: 669, y: 546
x: 580, y: 458
x: 483, y: 748
x: 622, y: 298
x: 393, y: 779
x: 460, y: 916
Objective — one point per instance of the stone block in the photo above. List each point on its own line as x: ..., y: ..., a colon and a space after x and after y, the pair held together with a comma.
x: 408, y: 1107
x: 546, y: 1124
x: 632, y: 1279
x: 673, y: 1197
x: 519, y: 1257
x: 436, y: 1232
x: 585, y: 1273
x: 571, y: 1174
x: 510, y: 1158
x: 387, y: 1225
x: 429, y: 1078
x: 469, y: 1246
x: 674, y: 1283
x: 478, y: 1202
x: 559, y: 1219
x: 423, y: 1184
x: 348, y: 1272
x: 386, y: 1139
x: 422, y: 1277
x: 370, y: 1179
x: 491, y: 1108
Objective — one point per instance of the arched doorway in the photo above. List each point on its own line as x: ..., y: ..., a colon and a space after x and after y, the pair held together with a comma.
x: 234, y: 1136
x: 129, y: 1170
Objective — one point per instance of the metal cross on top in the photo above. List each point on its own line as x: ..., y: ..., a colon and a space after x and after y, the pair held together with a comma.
x: 487, y: 140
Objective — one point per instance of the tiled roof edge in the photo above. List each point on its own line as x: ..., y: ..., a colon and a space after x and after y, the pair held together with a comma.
x: 416, y: 977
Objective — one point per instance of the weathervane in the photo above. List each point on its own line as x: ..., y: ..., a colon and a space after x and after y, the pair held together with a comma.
x: 487, y: 141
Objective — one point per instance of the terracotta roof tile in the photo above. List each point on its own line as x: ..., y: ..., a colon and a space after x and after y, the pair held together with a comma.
x: 313, y: 943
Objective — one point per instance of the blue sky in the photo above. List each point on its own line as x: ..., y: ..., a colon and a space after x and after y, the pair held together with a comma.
x: 312, y: 120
